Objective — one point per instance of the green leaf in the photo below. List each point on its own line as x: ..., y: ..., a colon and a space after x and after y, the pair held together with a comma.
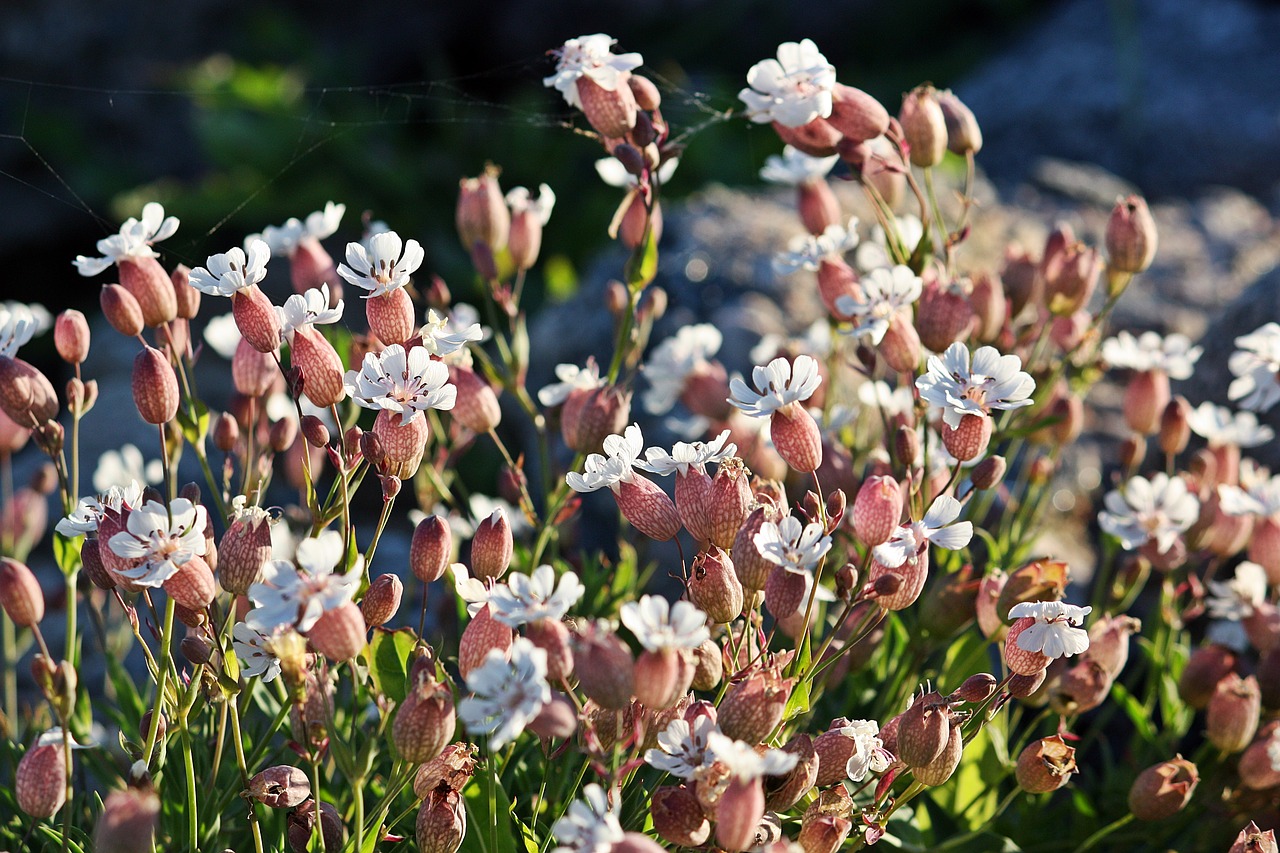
x: 642, y: 266
x: 388, y: 654
x: 194, y: 429
x: 480, y: 830
x: 67, y: 552
x: 922, y: 250
x: 1133, y: 708
x: 560, y: 277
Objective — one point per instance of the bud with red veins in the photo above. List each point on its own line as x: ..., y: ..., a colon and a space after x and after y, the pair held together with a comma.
x: 714, y: 587
x: 528, y: 216
x: 425, y: 720
x: 641, y: 501
x: 140, y: 273
x: 906, y: 553
x: 693, y: 485
x: 254, y: 373
x: 728, y: 501
x: 595, y: 80
x: 155, y: 386
x: 669, y: 634
x: 40, y: 783
x: 71, y: 336
x: 1233, y: 714
x: 382, y: 600
x: 856, y: 115
x: 492, y: 547
x: 924, y: 125
x: 339, y: 634
x: 20, y: 593
x: 749, y: 564
x: 482, y: 216
x: 1131, y: 236
x: 678, y: 816
x: 311, y: 352
x: 430, y: 549
x: 477, y: 405
x: 442, y: 821
x: 245, y: 547
x: 121, y: 310
x: 753, y: 707
x: 237, y: 274
x: 945, y: 315
x: 877, y: 510
x: 482, y: 635
x: 780, y: 391
x: 1163, y: 790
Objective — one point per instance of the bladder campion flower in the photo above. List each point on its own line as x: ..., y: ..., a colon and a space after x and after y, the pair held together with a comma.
x: 780, y: 388
x: 961, y: 387
x: 793, y: 89
x: 298, y: 596
x: 1256, y: 366
x: 1219, y: 426
x: 660, y: 625
x: 683, y: 747
x: 134, y: 240
x: 530, y: 598
x: 589, y: 825
x: 591, y: 57
x: 1055, y: 630
x: 642, y: 502
x: 508, y: 693
x: 1155, y: 510
x: 384, y: 266
x: 165, y: 538
x: 887, y: 292
x: 794, y: 546
x: 939, y: 526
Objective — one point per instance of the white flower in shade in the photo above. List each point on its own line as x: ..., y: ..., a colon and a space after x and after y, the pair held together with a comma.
x: 1154, y: 510
x: 807, y: 251
x: 886, y: 292
x: 408, y: 383
x: 674, y: 360
x: 524, y: 599
x: 1056, y: 632
x: 134, y: 240
x: 89, y: 512
x: 685, y: 455
x: 590, y: 56
x: 381, y: 268
x: 589, y: 825
x: 254, y: 652
x: 1220, y: 426
x: 890, y: 401
x: 508, y: 693
x: 471, y: 590
x: 1256, y: 366
x: 660, y: 625
x: 682, y: 748
x: 1237, y: 598
x: 519, y: 199
x: 297, y: 596
x: 612, y: 469
x: 307, y: 309
x: 1260, y: 498
x: 284, y: 239
x: 223, y: 335
x: 613, y: 173
x: 744, y: 763
x: 18, y: 324
x: 572, y: 378
x: 792, y: 545
x: 794, y: 167
x: 874, y: 253
x: 992, y: 381
x: 938, y: 526
x: 164, y: 537
x: 124, y: 467
x: 793, y: 89
x: 441, y: 336
x: 777, y: 384
x: 231, y: 271
x: 1172, y: 354
x: 869, y: 754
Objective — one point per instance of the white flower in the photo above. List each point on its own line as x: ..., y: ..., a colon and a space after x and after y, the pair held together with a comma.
x: 613, y: 173
x: 284, y: 239
x: 589, y: 825
x: 307, y: 309
x: 469, y: 589
x: 297, y: 597
x: 792, y: 90
x: 134, y: 240
x: 682, y: 748
x: 873, y: 252
x: 223, y: 335
x: 612, y: 469
x: 685, y: 455
x: 572, y: 378
x: 1273, y: 750
x: 792, y: 545
x: 253, y: 650
x: 777, y: 385
x: 519, y: 199
x: 441, y: 336
x: 524, y: 599
x: 18, y: 324
x: 807, y: 251
x: 1256, y: 366
x: 890, y: 401
x: 231, y: 271
x: 674, y: 360
x: 994, y: 381
x: 794, y: 167
x: 938, y: 526
x: 508, y: 694
x: 1056, y: 632
x: 869, y: 754
x: 660, y: 625
x: 1237, y: 598
x: 1173, y: 354
x: 590, y: 56
x: 1261, y: 498
x: 1220, y: 426
x: 165, y: 538
x: 89, y: 512
x: 124, y: 467
x: 398, y: 382
x: 886, y: 292
x: 744, y: 763
x: 1149, y: 510
x: 814, y: 341
x: 381, y: 268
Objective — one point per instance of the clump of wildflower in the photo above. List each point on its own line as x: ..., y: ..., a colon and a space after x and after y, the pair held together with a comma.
x: 407, y: 383
x: 382, y: 269
x: 660, y: 625
x: 253, y: 649
x: 792, y: 545
x: 508, y: 692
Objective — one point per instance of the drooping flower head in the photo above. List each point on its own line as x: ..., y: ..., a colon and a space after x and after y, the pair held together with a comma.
x: 794, y: 167
x: 886, y: 292
x: 1256, y: 366
x: 685, y: 456
x: 778, y: 384
x: 660, y: 625
x: 442, y: 335
x: 283, y: 239
x: 1155, y: 510
x: 164, y: 537
x: 589, y: 824
x: 869, y: 754
x: 613, y: 468
x: 90, y: 511
x: 507, y: 693
x: 793, y: 89
x: 381, y: 268
x: 134, y: 240
x: 744, y: 763
x: 590, y: 56
x: 231, y: 271
x: 1220, y: 426
x: 938, y: 526
x: 307, y: 309
x: 408, y: 383
x: 992, y: 381
x: 289, y: 596
x: 674, y: 360
x: 1172, y: 354
x: 794, y: 546
x: 524, y: 599
x: 1056, y: 632
x: 807, y: 251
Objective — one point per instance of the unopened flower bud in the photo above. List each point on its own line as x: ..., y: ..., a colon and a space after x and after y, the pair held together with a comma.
x: 924, y: 730
x: 611, y: 112
x: 339, y: 634
x: 1023, y: 686
x: 282, y: 434
x: 225, y: 432
x: 877, y: 510
x: 1256, y: 771
x: 1131, y: 236
x: 1045, y: 765
x: 988, y: 473
x: 963, y: 134
x: 382, y: 599
x: 198, y: 650
x: 442, y: 821
x: 155, y: 386
x: 938, y: 771
x: 925, y: 126
x: 906, y: 446
x: 71, y: 336
x: 977, y: 688
x: 129, y: 819
x: 605, y: 668
x: 280, y: 787
x: 630, y: 158
x: 1233, y: 713
x: 752, y: 569
x: 425, y: 721
x: 678, y: 817
x: 590, y: 416
x: 1132, y: 451
x: 1070, y: 272
x: 482, y: 635
x: 753, y: 707
x: 1175, y: 428
x: 714, y: 587
x: 482, y: 214
x: 1161, y: 791
x: 121, y: 310
x: 662, y: 677
x: 708, y: 666
x: 646, y: 93
x: 477, y: 405
x: 944, y: 315
x: 40, y: 784
x: 970, y: 438
x: 20, y: 593
x: 492, y: 547
x: 430, y: 549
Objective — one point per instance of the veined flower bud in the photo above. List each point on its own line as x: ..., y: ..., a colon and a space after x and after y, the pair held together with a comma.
x: 977, y: 688
x: 186, y: 297
x: 477, y: 406
x: 612, y: 112
x: 442, y: 821
x: 1175, y: 428
x: 752, y: 569
x: 938, y: 771
x: 121, y: 310
x: 20, y: 593
x: 1255, y: 769
x: 198, y: 650
x: 817, y: 138
x: 193, y: 587
x: 647, y: 507
x: 856, y: 115
x: 1070, y: 273
x: 382, y: 599
x: 1018, y: 659
x: 492, y: 547
x: 925, y: 126
x: 226, y: 432
x: 836, y: 279
x: 817, y: 205
x: 430, y: 549
x: 988, y: 473
x: 280, y: 787
x: 714, y: 587
x: 1161, y: 791
x: 796, y: 438
x: 390, y: 316
x: 482, y: 215
x: 605, y: 668
x: 1253, y: 840
x: 589, y: 416
x: 1131, y: 236
x: 1045, y: 765
x: 823, y: 833
x: 1234, y: 709
x: 944, y: 315
x: 128, y: 821
x: 482, y: 634
x: 963, y: 134
x: 646, y: 93
x: 738, y: 814
x: 784, y: 593
x: 321, y: 368
x: 692, y: 489
x: 425, y: 721
x: 402, y: 443
x: 1025, y: 686
x: 40, y: 783
x: 339, y: 634
x: 678, y: 816
x: 783, y: 792
x: 728, y: 502
x: 314, y: 431
x: 155, y: 387
x: 753, y: 707
x: 912, y: 575
x: 27, y: 396
x: 662, y: 677
x: 71, y: 336
x: 256, y: 318
x: 147, y: 282
x: 553, y: 638
x: 901, y: 346
x: 91, y: 560
x: 970, y: 438
x: 708, y: 666
x: 301, y: 827
x: 244, y: 548
x: 833, y: 749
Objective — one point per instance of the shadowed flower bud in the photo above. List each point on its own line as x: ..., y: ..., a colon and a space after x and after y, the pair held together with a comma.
x: 944, y: 316
x: 430, y: 549
x: 752, y: 569
x: 128, y: 821
x: 492, y: 547
x: 382, y: 599
x: 939, y: 770
x: 977, y: 688
x: 483, y: 634
x: 40, y: 783
x: 605, y: 668
x: 339, y: 634
x: 121, y: 310
x: 1175, y: 426
x: 1253, y: 840
x: 1045, y: 765
x: 225, y: 432
x: 990, y: 307
x: 784, y: 791
x: 27, y: 397
x: 476, y: 406
x: 1018, y: 659
x: 1069, y: 271
x: 1232, y: 717
x: 708, y: 666
x: 244, y: 548
x: 753, y: 707
x: 924, y: 730
x: 442, y: 821
x: 319, y: 364
x: 425, y: 722
x: 256, y: 318
x: 282, y: 435
x: 924, y: 125
x: 988, y: 473
x: 155, y: 386
x: 856, y: 115
x: 20, y: 593
x: 963, y: 134
x: 280, y: 787
x: 1023, y: 686
x: 877, y: 510
x: 71, y: 336
x: 678, y: 816
x: 1131, y: 236
x: 301, y: 827
x: 1256, y: 770
x: 198, y: 650
x: 714, y: 587
x: 784, y: 593
x: 482, y: 215
x: 186, y: 297
x: 900, y: 345
x: 314, y: 431
x: 590, y: 415
x: 1163, y: 790
x: 662, y: 677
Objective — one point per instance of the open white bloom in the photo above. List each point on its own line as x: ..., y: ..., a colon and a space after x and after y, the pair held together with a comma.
x: 1237, y: 598
x: 1056, y: 632
x: 134, y: 240
x: 869, y: 754
x: 1261, y: 498
x: 307, y: 309
x: 674, y: 360
x: 590, y: 56
x: 873, y: 252
x: 794, y: 167
x: 18, y: 324
x: 223, y: 335
x: 685, y: 455
x: 253, y: 650
x: 124, y: 467
x: 890, y: 401
x: 297, y: 596
x: 1145, y: 510
x: 471, y: 590
x: 507, y: 693
x: 589, y: 825
x: 164, y: 537
x: 284, y: 239
x: 807, y: 251
x: 231, y: 271
x: 682, y: 748
x: 792, y: 545
x: 938, y: 526
x: 613, y: 173
x: 408, y: 383
x: 660, y: 625
x: 1220, y: 426
x: 1256, y: 366
x: 524, y: 599
x: 992, y: 381
x: 777, y: 385
x: 792, y: 90
x: 614, y: 468
x: 886, y: 292
x: 572, y: 378
x: 381, y: 268
x: 744, y: 763
x: 89, y: 512
x: 519, y: 199
x: 1172, y: 354
x: 442, y: 336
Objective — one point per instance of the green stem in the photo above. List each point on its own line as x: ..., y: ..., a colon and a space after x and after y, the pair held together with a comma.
x: 193, y: 822
x: 162, y: 682
x: 1104, y: 832
x: 238, y: 742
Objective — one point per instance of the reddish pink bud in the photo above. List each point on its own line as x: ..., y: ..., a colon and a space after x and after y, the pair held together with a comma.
x: 708, y: 666
x: 589, y: 416
x: 1234, y: 709
x: 1145, y: 399
x: 225, y: 432
x: 339, y: 634
x: 477, y: 406
x: 797, y: 438
x: 753, y: 707
x: 26, y: 395
x: 605, y: 668
x: 311, y: 266
x: 321, y: 368
x: 553, y: 638
x: 836, y: 279
x: 1131, y: 236
x: 146, y: 280
x: 282, y: 434
x: 877, y: 510
x: 382, y: 600
x: 482, y: 216
x: 256, y: 318
x: 482, y: 635
x: 492, y: 547
x: 924, y: 730
x: 186, y: 297
x: 752, y: 569
x: 938, y: 771
x: 912, y: 574
x: 1070, y: 272
x: 900, y: 347
x: 430, y: 549
x: 20, y: 593
x: 280, y: 787
x: 714, y: 587
x: 390, y: 316
x: 193, y: 586
x: 1018, y: 659
x: 1161, y: 791
x: 738, y: 814
x: 611, y: 112
x: 1253, y: 840
x: 692, y: 490
x: 817, y: 138
x: 155, y: 386
x: 1256, y: 771
x: 662, y: 677
x: 1175, y: 428
x: 244, y: 548
x: 784, y: 593
x: 678, y: 816
x: 647, y: 507
x: 557, y: 720
x: 41, y: 780
x: 817, y: 205
x: 728, y: 502
x: 924, y: 126
x: 857, y: 115
x: 253, y: 372
x: 128, y: 821
x: 425, y: 721
x: 121, y: 310
x: 402, y: 443
x: 969, y: 439
x: 990, y: 308
x: 1045, y: 765
x: 71, y: 336
x: 944, y: 316
x: 442, y: 821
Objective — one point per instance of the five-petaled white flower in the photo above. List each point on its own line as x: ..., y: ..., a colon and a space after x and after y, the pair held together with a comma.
x: 253, y: 648
x: 793, y: 89
x: 297, y: 596
x: 794, y: 167
x: 307, y: 309
x: 508, y: 693
x: 1256, y: 366
x: 674, y: 361
x: 992, y: 381
x: 1144, y: 510
x: 685, y: 455
x: 777, y: 385
x: 1056, y: 632
x: 89, y: 512
x: 589, y: 825
x: 807, y: 251
x: 443, y: 335
x: 592, y: 57
x: 1220, y: 426
x: 531, y: 598
x: 938, y: 526
x: 660, y: 625
x: 18, y: 324
x: 520, y: 199
x: 792, y: 545
x: 886, y: 292
x: 284, y: 239
x: 134, y: 240
x: 1172, y: 354
x: 744, y: 763
x: 614, y: 468
x: 381, y: 268
x: 682, y: 748
x: 164, y: 537
x: 1261, y: 497
x: 1237, y: 598
x: 408, y: 383
x: 235, y: 270
x: 572, y: 378
x: 869, y: 754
